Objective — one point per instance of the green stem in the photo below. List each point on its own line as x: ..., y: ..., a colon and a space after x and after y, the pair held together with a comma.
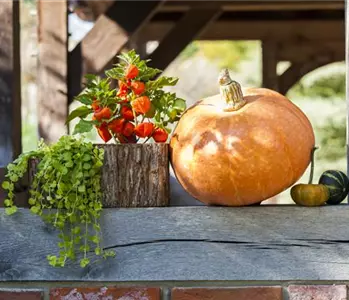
x: 231, y: 92
x: 312, y: 165
x: 86, y: 232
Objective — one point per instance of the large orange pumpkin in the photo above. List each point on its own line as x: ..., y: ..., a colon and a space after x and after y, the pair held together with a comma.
x: 240, y: 147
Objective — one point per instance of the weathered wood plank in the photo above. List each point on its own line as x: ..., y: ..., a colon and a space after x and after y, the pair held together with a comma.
x: 190, y: 25
x: 52, y: 69
x: 202, y: 243
x: 10, y: 83
x: 108, y: 36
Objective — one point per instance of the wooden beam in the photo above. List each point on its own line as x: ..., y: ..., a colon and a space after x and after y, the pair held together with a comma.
x: 189, y: 27
x: 269, y: 65
x: 52, y: 69
x: 291, y: 50
x: 189, y: 243
x: 297, y: 70
x: 330, y: 30
x: 10, y: 82
x: 108, y: 36
x: 181, y: 6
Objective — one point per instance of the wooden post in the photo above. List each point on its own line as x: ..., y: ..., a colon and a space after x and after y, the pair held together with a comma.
x: 269, y: 64
x: 133, y: 175
x: 10, y: 83
x: 186, y: 30
x: 52, y: 69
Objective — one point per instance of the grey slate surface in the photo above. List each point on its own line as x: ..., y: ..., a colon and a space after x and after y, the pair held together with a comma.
x: 190, y: 243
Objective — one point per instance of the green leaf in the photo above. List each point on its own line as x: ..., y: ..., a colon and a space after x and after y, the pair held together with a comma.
x: 67, y: 155
x: 34, y: 209
x: 86, y: 157
x: 82, y: 127
x: 180, y: 104
x: 84, y: 262
x: 31, y: 201
x: 82, y: 189
x: 10, y: 210
x: 91, y: 77
x: 76, y: 230
x: 84, y: 99
x: 87, y: 166
x: 5, y: 185
x: 52, y: 260
x: 161, y: 82
x: 81, y: 112
x: 95, y: 239
x: 8, y: 202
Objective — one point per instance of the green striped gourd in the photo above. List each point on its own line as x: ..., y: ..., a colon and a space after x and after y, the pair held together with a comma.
x: 337, y: 183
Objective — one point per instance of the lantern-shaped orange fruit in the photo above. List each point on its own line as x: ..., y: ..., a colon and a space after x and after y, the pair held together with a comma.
x: 240, y: 147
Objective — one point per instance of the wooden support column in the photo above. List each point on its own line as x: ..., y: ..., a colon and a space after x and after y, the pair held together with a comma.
x: 269, y: 65
x: 109, y: 35
x: 52, y: 69
x: 192, y: 24
x: 10, y: 85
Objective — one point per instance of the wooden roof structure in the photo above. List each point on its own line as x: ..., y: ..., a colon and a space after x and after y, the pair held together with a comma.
x: 308, y: 34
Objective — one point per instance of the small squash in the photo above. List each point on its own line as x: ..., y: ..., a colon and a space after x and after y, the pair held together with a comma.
x: 337, y: 183
x: 310, y: 194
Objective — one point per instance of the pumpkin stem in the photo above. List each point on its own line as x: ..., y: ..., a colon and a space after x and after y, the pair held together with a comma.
x: 230, y: 92
x: 312, y: 165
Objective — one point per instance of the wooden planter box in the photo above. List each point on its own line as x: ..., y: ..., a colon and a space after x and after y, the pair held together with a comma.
x: 133, y: 175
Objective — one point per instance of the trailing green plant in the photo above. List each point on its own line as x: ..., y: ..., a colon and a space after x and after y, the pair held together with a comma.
x: 66, y: 193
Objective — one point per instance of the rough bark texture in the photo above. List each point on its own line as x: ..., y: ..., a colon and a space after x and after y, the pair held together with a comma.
x: 136, y: 175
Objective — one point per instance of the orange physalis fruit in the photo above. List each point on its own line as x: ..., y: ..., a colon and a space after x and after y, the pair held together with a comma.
x: 117, y: 125
x: 131, y: 72
x: 104, y: 133
x: 128, y: 129
x: 127, y: 113
x: 138, y: 87
x: 104, y: 113
x: 144, y: 129
x: 160, y: 135
x: 141, y: 105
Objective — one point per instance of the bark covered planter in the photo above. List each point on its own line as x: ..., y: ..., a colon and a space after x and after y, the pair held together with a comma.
x: 133, y: 175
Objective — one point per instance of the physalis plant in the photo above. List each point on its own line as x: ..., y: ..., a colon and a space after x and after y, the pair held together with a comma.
x: 137, y: 110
